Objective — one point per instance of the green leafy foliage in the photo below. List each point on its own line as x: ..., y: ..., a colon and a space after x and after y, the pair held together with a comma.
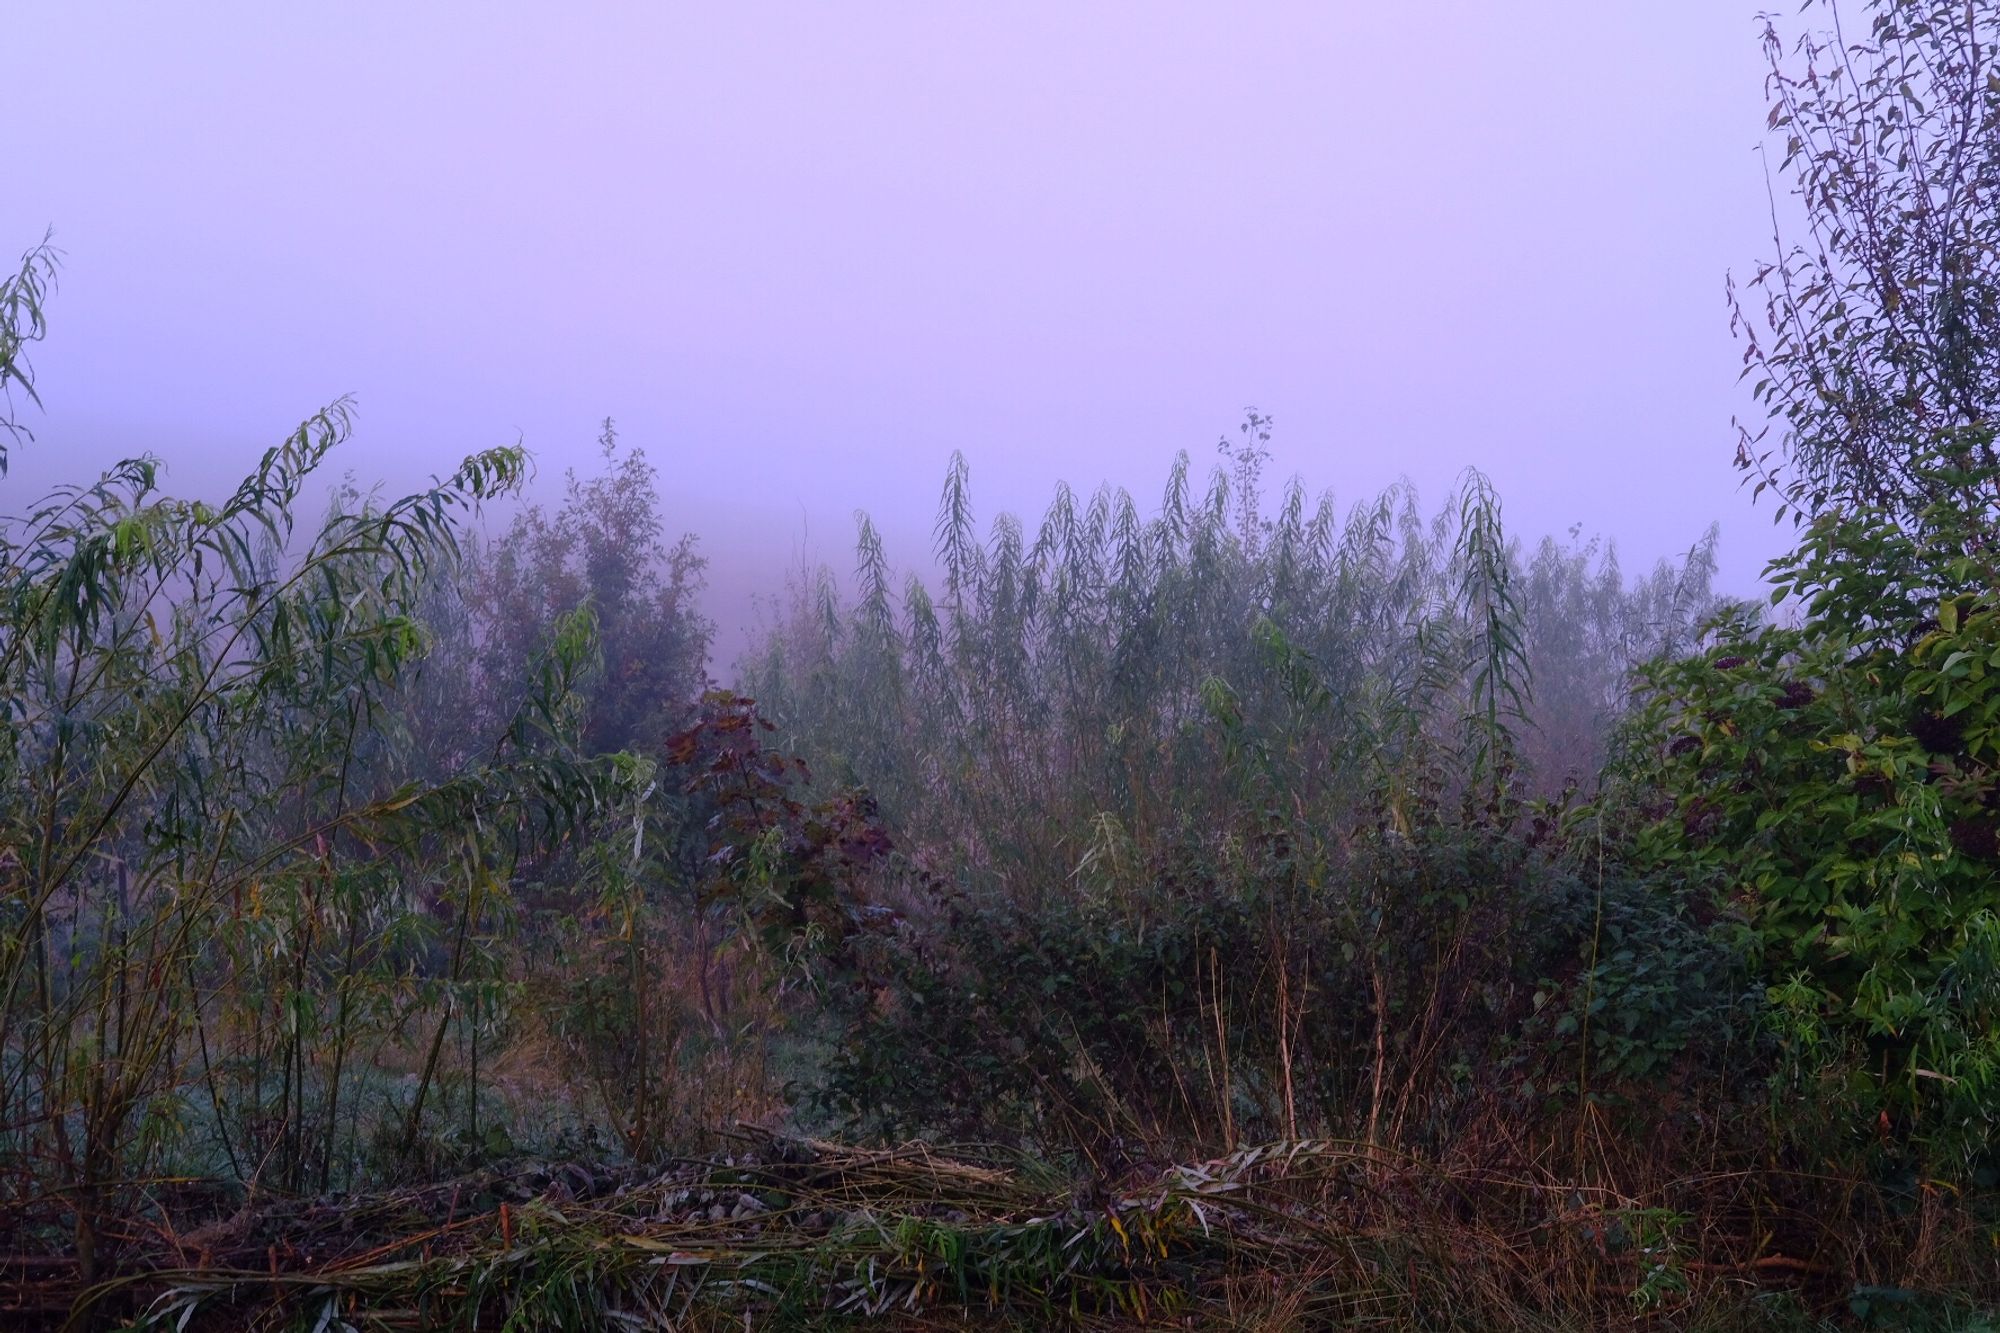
x: 217, y: 881
x: 1880, y: 322
x: 1836, y: 782
x: 1213, y: 824
x: 23, y: 294
x: 1240, y: 834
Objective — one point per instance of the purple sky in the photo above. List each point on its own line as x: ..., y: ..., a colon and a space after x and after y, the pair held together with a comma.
x: 802, y: 252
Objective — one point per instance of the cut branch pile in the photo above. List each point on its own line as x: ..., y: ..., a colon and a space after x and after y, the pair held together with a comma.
x: 792, y: 1232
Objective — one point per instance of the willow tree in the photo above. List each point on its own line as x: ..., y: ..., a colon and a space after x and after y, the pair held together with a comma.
x: 22, y: 297
x: 1834, y: 780
x: 1185, y: 797
x: 215, y: 877
x: 1872, y: 336
x: 1051, y: 679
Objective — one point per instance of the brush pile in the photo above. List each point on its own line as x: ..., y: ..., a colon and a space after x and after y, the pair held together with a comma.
x: 786, y: 1232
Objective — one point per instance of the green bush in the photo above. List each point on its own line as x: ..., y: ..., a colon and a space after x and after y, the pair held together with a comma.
x: 1837, y: 782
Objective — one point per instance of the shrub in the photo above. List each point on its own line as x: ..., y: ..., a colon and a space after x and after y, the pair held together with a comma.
x: 1836, y: 782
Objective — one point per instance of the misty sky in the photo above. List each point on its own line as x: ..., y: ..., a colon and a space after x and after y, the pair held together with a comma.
x: 801, y: 252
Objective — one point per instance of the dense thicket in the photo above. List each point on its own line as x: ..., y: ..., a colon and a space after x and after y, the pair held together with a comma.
x: 1075, y: 674
x: 1316, y: 914
x: 1834, y: 778
x: 268, y: 790
x: 1214, y: 821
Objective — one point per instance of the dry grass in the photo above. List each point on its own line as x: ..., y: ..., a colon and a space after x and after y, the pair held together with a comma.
x: 786, y: 1233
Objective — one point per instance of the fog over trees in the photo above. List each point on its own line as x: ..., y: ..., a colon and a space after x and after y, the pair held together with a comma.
x: 1216, y: 902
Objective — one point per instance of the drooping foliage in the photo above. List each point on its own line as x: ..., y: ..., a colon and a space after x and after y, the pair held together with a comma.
x: 23, y: 293
x: 222, y: 881
x: 1831, y: 779
x: 1044, y: 683
x: 199, y: 786
x: 1878, y: 327
x: 309, y: 830
x: 1215, y: 820
x: 1240, y: 871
